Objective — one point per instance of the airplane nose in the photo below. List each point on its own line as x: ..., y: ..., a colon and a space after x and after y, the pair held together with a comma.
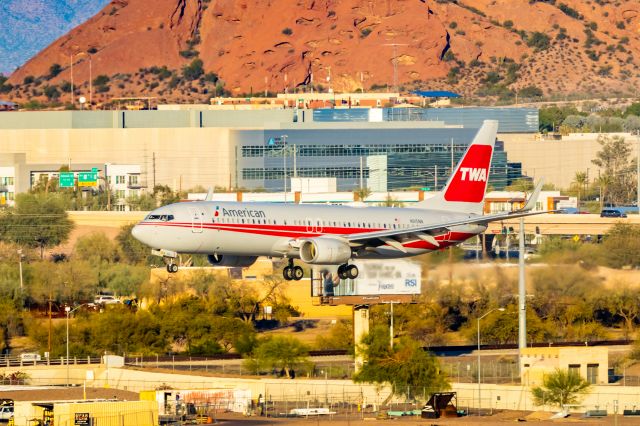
x: 138, y: 232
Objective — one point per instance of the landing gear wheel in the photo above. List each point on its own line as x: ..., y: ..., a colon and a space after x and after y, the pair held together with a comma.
x: 172, y: 268
x: 352, y: 272
x: 342, y: 271
x: 287, y: 273
x: 298, y: 273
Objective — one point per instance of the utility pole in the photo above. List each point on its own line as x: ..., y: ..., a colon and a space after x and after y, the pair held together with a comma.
x: 394, y: 61
x: 154, y: 171
x: 522, y: 295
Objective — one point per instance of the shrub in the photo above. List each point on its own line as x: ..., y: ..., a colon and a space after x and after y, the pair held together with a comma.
x: 54, y: 70
x: 538, y: 40
x: 28, y: 79
x: 287, y: 31
x: 100, y: 80
x: 194, y: 70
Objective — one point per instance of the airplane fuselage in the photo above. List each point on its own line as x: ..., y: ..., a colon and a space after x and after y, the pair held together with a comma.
x: 264, y: 229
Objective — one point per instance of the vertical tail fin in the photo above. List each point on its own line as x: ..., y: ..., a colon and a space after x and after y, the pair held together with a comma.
x: 465, y: 189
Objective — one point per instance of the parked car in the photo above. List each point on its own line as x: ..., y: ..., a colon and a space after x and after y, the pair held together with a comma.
x: 105, y: 299
x: 6, y: 413
x: 612, y: 213
x: 30, y: 357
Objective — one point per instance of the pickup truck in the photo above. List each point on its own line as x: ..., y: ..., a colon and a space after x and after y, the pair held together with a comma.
x: 6, y: 413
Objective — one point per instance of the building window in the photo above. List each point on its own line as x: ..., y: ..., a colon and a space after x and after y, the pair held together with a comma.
x: 119, y: 180
x: 133, y: 179
x: 592, y: 373
x: 120, y: 193
x: 10, y: 196
x: 574, y: 368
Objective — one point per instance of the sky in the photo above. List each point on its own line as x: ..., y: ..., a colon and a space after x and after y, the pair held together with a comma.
x: 28, y: 26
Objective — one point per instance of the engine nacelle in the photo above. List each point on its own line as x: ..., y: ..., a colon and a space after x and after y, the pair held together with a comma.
x: 231, y: 261
x: 325, y: 251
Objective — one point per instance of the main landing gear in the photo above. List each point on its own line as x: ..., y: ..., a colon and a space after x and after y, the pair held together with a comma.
x: 172, y: 268
x: 292, y: 272
x: 347, y: 271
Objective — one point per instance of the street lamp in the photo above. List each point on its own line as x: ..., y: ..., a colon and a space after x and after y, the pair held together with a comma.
x: 479, y: 369
x: 283, y: 138
x: 69, y: 311
x: 90, y: 77
x: 20, y: 256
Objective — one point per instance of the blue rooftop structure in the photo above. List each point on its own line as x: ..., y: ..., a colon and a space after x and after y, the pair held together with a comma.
x: 436, y: 94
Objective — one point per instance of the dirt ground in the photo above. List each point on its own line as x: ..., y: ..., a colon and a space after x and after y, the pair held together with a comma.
x: 499, y: 418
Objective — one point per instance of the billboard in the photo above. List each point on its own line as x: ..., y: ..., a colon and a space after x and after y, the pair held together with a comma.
x: 388, y: 277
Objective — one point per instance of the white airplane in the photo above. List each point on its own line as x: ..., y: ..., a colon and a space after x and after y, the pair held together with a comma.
x: 235, y: 234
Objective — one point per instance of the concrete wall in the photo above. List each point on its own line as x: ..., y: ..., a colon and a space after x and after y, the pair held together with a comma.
x: 493, y: 396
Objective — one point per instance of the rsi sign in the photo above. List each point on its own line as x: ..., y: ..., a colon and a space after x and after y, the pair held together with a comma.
x: 473, y: 174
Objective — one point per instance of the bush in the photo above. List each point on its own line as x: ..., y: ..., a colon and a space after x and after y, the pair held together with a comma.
x: 51, y: 92
x: 287, y: 31
x: 54, y: 70
x: 365, y: 32
x: 100, y: 80
x: 28, y: 79
x: 194, y: 70
x: 538, y: 40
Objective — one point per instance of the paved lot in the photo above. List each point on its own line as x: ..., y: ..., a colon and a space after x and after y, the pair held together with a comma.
x: 500, y: 418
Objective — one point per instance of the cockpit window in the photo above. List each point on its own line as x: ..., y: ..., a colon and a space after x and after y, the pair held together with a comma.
x: 160, y: 217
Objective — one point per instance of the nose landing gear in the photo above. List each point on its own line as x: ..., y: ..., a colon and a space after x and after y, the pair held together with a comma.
x: 291, y: 272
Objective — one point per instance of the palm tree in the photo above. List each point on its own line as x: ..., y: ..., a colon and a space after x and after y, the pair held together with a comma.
x: 362, y: 193
x: 580, y: 180
x: 560, y: 388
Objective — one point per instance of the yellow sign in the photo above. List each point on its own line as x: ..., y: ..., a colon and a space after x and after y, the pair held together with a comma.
x: 576, y: 238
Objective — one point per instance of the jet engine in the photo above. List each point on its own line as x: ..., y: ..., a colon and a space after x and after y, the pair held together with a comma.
x: 231, y: 261
x: 325, y: 251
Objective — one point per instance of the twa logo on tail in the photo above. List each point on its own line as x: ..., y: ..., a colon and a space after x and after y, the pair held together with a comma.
x: 470, y: 179
x: 473, y: 174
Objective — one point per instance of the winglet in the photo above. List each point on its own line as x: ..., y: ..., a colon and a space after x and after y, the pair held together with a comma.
x: 209, y: 196
x: 533, y: 198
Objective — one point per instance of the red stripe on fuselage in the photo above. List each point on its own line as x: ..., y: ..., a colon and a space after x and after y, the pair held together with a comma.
x: 445, y: 240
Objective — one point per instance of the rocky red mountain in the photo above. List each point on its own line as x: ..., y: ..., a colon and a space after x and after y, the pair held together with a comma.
x: 490, y: 47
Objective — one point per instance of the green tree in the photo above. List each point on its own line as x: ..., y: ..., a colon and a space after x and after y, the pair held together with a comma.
x: 96, y: 248
x: 538, y: 40
x: 38, y: 221
x: 280, y: 352
x: 52, y: 92
x: 633, y: 109
x: 194, y: 70
x: 54, y: 70
x: 580, y: 182
x: 624, y: 301
x: 621, y: 246
x: 552, y: 117
x: 340, y: 336
x: 407, y: 368
x: 562, y: 387
x: 614, y: 159
x: 133, y: 251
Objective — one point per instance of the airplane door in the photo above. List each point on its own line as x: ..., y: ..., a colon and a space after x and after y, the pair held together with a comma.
x: 196, y: 220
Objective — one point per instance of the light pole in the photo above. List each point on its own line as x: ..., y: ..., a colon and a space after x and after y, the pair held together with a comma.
x: 20, y: 265
x: 284, y: 164
x: 69, y: 311
x: 90, y: 77
x: 479, y: 369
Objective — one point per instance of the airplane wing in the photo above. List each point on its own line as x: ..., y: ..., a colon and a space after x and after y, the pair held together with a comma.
x: 427, y: 232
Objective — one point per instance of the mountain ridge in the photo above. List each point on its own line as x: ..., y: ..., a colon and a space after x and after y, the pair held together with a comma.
x: 491, y: 48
